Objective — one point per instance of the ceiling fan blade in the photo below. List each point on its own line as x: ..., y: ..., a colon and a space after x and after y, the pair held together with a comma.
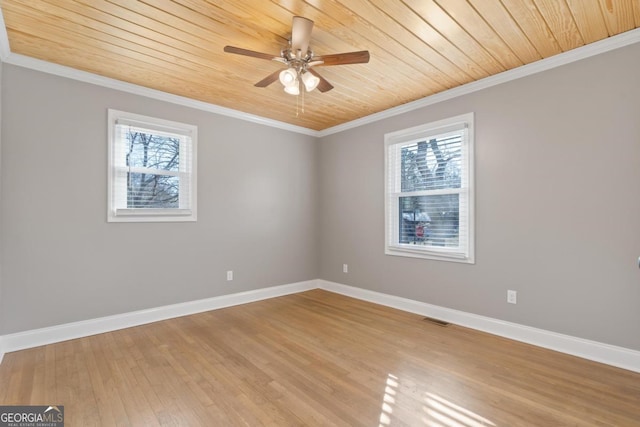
x: 247, y: 52
x: 324, y: 85
x: 359, y: 57
x: 269, y: 79
x: 301, y: 34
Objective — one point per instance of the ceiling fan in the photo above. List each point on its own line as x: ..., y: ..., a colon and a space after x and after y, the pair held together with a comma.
x: 299, y: 59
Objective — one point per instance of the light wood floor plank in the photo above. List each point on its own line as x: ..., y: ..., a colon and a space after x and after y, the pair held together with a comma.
x: 316, y: 358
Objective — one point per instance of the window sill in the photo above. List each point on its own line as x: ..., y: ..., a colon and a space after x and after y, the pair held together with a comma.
x: 152, y: 215
x: 427, y: 254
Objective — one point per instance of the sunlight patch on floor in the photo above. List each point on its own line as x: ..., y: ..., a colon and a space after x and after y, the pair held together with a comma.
x: 441, y: 412
x: 389, y: 399
x: 436, y: 410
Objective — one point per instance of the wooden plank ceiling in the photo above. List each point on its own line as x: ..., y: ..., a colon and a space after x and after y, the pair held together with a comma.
x: 418, y: 47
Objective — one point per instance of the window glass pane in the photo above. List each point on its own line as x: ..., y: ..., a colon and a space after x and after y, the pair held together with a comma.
x: 152, y: 191
x: 432, y: 164
x: 148, y: 150
x: 430, y: 220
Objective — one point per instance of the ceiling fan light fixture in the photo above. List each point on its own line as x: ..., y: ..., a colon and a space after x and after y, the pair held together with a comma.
x: 289, y: 77
x: 310, y: 81
x: 292, y: 89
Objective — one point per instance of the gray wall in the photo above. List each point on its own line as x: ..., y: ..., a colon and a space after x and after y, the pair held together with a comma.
x: 557, y: 204
x: 257, y: 207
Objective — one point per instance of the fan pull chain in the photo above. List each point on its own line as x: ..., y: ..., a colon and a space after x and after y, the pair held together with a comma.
x: 297, y: 105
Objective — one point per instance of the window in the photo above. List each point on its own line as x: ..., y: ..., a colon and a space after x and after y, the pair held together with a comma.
x: 152, y: 169
x: 429, y: 191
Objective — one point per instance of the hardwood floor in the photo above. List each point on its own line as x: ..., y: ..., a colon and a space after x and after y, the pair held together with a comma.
x: 316, y: 358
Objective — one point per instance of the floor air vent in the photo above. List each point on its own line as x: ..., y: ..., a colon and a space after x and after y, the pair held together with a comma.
x: 436, y: 321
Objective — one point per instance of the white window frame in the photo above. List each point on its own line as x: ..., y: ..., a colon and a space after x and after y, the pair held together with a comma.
x: 392, y: 144
x: 187, y: 210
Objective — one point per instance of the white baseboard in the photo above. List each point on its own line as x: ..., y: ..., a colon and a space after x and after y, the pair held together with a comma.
x: 592, y: 350
x: 85, y: 328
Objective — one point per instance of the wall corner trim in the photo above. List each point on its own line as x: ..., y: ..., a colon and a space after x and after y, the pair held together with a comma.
x: 85, y: 328
x: 592, y: 350
x: 5, y: 49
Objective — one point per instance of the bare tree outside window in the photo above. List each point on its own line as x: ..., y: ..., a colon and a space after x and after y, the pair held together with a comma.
x: 156, y: 153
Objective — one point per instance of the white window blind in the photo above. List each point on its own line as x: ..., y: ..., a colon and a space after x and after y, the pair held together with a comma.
x: 152, y: 169
x: 429, y: 191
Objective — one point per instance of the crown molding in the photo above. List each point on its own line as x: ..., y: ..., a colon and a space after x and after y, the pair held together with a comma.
x: 592, y: 49
x: 86, y: 77
x: 583, y: 52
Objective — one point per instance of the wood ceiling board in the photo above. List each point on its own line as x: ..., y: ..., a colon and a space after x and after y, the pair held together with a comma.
x: 382, y: 43
x: 589, y: 19
x: 618, y: 15
x: 178, y: 19
x: 534, y: 26
x: 558, y: 17
x: 421, y: 53
x: 67, y: 32
x: 435, y: 16
x: 75, y: 57
x: 121, y: 28
x: 181, y: 71
x: 421, y: 29
x: 494, y: 13
x: 473, y: 23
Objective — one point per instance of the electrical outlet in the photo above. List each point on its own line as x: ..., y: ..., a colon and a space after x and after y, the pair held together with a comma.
x: 512, y: 297
x: 230, y: 275
x: 345, y: 268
